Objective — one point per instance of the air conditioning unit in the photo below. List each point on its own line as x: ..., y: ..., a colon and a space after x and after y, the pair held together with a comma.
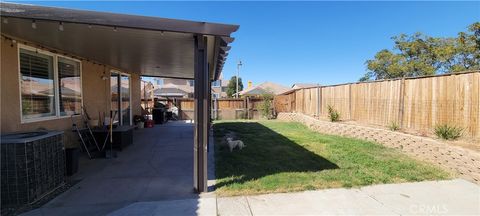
x: 32, y: 165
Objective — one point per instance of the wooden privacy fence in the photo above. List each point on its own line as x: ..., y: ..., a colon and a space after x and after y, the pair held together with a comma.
x: 416, y: 104
x: 226, y: 108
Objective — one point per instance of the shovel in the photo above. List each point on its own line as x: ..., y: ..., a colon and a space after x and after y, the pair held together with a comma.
x: 111, y: 153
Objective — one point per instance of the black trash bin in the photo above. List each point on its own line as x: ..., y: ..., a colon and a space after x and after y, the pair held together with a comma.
x: 71, y: 156
x: 158, y: 115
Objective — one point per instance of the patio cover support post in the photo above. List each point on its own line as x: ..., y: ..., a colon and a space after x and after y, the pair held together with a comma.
x: 202, y: 111
x: 209, y: 111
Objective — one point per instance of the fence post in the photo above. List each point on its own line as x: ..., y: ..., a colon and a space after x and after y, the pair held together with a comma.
x: 303, y: 101
x: 294, y: 105
x: 215, y: 108
x: 245, y: 105
x: 320, y: 109
x: 290, y: 101
x: 248, y: 104
x: 401, y: 102
x: 350, y: 101
x: 318, y: 101
x: 274, y: 111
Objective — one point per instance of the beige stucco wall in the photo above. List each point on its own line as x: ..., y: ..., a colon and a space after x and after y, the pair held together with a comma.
x: 136, y: 94
x: 95, y: 94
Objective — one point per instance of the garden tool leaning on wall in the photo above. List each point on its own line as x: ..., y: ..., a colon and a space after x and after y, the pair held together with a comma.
x: 110, y: 153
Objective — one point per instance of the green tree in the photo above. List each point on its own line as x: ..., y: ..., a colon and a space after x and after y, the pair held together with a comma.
x: 386, y: 65
x: 419, y: 55
x: 232, y: 86
x: 467, y: 49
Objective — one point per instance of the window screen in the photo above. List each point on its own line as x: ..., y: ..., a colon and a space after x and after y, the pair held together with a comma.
x: 70, y: 86
x: 37, y: 85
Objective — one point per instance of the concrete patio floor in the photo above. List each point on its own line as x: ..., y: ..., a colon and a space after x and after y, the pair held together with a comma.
x: 157, y: 167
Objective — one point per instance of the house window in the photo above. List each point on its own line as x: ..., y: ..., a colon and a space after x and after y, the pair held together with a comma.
x: 70, y: 86
x: 121, y: 96
x: 47, y: 91
x: 216, y: 83
x: 37, y: 85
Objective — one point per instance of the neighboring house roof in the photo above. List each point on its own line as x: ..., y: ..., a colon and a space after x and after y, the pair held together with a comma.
x: 169, y: 91
x: 66, y: 92
x: 304, y: 85
x: 266, y: 87
x: 186, y: 88
x: 32, y: 86
x: 164, y: 91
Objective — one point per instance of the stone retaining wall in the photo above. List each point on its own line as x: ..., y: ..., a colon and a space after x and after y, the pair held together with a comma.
x: 465, y: 162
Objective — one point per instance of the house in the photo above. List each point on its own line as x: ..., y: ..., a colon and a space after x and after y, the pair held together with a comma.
x: 264, y: 88
x: 219, y: 88
x: 304, y: 85
x: 56, y: 60
x: 181, y: 88
x: 170, y: 91
x: 174, y: 88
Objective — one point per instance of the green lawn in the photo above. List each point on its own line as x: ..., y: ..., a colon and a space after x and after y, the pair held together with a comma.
x: 284, y: 156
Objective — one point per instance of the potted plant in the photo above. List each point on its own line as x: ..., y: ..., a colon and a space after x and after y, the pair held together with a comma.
x: 139, y: 121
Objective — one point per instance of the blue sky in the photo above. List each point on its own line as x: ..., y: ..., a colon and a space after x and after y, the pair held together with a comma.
x: 315, y: 42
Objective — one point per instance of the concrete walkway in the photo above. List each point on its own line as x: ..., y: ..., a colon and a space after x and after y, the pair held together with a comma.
x: 157, y: 167
x: 453, y: 197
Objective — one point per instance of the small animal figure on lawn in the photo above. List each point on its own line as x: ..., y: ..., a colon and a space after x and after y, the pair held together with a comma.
x: 235, y: 143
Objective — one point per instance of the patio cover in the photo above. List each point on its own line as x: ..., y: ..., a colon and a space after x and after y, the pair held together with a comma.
x: 149, y: 46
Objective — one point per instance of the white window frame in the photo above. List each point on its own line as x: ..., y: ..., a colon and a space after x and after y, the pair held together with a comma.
x: 55, y: 83
x: 120, y: 74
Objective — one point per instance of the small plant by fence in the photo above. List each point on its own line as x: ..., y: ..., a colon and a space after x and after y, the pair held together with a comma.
x: 417, y: 104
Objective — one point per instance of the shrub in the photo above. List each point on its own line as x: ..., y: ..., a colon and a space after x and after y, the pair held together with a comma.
x: 393, y: 126
x: 266, y: 106
x: 448, y: 132
x: 333, y: 114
